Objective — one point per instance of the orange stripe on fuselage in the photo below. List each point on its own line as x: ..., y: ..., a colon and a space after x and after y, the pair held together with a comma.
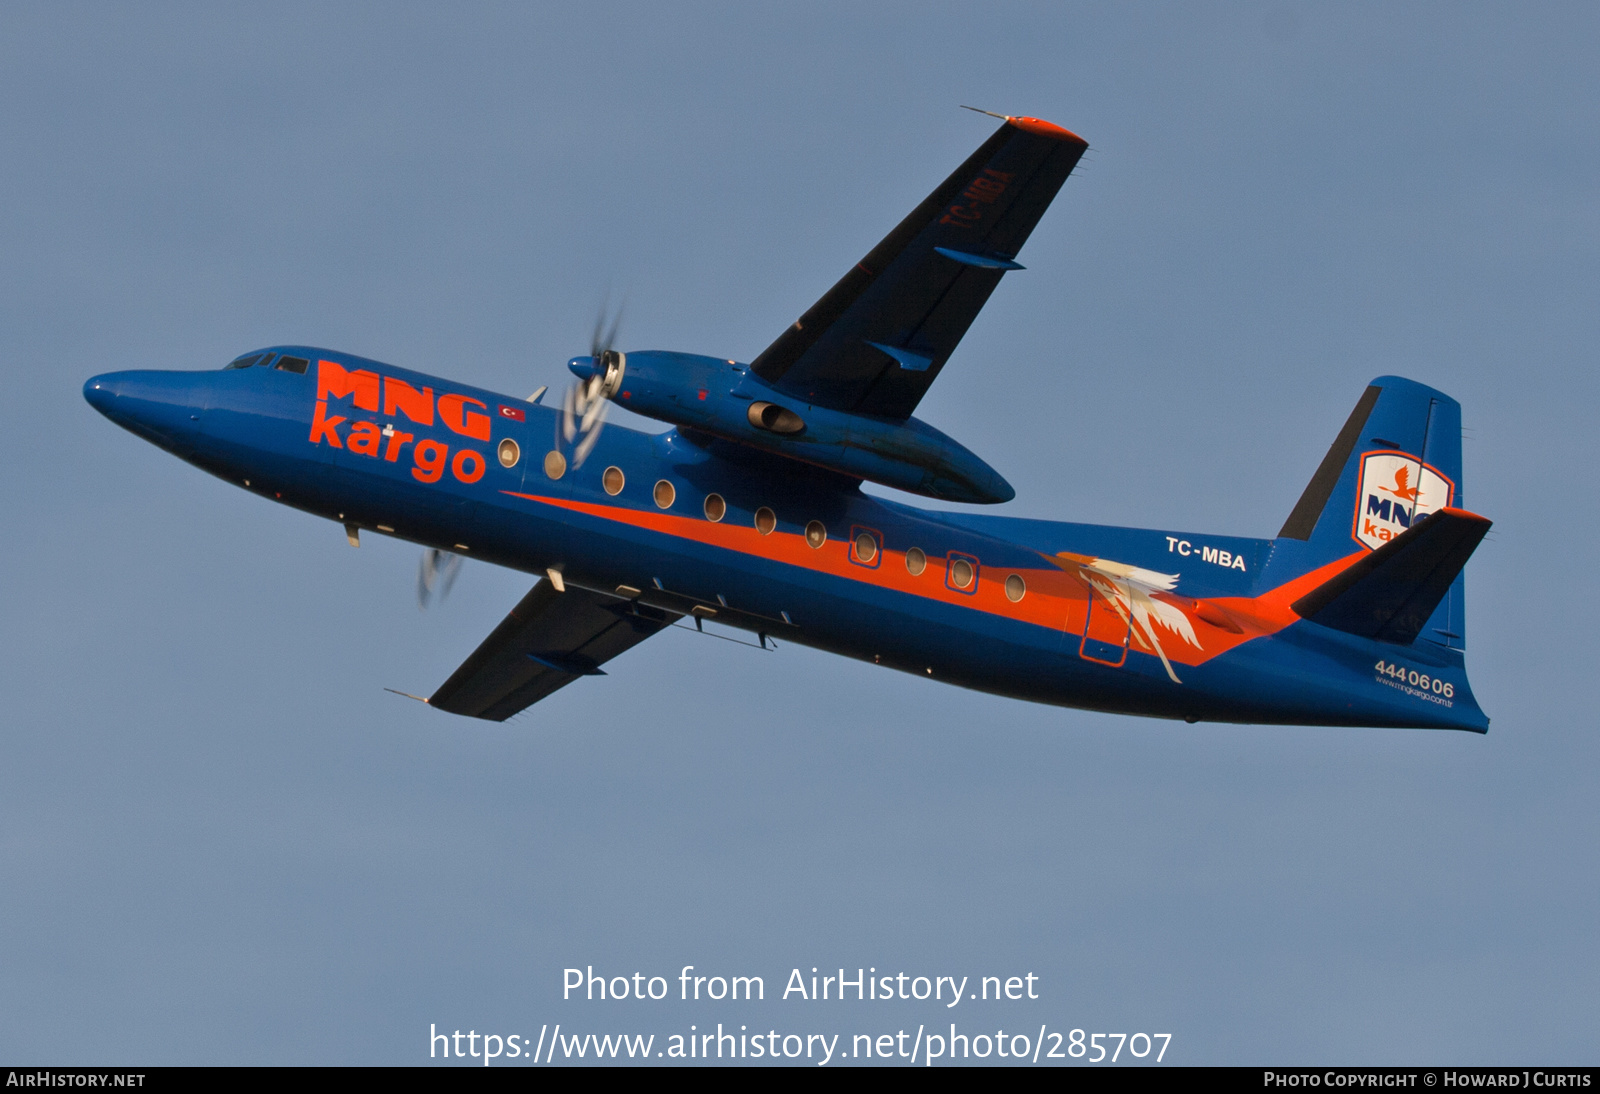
x: 1055, y: 600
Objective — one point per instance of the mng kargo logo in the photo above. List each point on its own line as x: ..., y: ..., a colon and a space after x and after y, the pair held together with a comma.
x: 1393, y: 492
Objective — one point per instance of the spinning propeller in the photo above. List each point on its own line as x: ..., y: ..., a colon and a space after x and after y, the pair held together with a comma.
x: 583, y: 408
x: 436, y: 574
x: 583, y: 415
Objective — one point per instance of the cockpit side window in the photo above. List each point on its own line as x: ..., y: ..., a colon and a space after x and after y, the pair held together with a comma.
x: 245, y: 361
x: 292, y: 364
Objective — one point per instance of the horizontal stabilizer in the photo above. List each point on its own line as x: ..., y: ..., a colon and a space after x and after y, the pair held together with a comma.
x: 1389, y: 594
x: 549, y: 640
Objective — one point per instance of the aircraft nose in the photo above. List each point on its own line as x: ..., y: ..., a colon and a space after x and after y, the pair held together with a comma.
x: 162, y: 407
x: 101, y: 392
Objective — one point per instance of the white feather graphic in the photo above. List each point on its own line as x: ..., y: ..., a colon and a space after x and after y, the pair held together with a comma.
x: 1128, y: 589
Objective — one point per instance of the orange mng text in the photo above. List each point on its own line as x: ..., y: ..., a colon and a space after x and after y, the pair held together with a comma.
x: 430, y: 457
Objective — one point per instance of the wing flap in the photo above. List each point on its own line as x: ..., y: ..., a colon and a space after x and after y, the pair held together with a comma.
x: 547, y: 641
x: 1389, y: 594
x: 916, y: 293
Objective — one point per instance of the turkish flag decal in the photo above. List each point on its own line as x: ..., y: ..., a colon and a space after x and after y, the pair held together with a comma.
x: 515, y: 413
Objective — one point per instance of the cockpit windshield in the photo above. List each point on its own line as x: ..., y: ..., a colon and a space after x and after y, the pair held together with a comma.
x: 245, y: 361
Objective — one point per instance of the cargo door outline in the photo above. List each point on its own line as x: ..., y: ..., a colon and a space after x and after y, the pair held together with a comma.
x: 1107, y: 628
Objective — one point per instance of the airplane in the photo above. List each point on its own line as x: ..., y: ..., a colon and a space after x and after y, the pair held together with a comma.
x: 749, y: 511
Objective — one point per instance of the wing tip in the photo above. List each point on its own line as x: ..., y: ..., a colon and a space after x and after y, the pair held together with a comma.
x: 1044, y: 129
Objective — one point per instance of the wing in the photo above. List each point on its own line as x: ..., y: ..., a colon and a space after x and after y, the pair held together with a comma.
x: 879, y: 337
x: 549, y: 640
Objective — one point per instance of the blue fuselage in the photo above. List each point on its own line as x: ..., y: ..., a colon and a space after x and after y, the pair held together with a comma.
x: 1019, y: 620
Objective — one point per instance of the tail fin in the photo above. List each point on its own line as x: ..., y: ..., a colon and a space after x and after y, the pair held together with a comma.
x: 1397, y: 459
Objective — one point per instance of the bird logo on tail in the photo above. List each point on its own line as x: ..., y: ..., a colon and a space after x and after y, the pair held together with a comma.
x: 1401, y: 490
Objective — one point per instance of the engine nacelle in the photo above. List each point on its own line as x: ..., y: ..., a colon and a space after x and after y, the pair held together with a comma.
x: 725, y: 399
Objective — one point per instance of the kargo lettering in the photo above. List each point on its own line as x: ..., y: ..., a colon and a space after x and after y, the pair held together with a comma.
x: 366, y: 390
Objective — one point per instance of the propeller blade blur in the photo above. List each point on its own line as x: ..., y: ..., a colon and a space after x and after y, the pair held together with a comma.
x: 436, y: 574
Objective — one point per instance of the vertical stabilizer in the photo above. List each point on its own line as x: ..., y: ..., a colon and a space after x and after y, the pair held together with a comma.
x: 1397, y: 460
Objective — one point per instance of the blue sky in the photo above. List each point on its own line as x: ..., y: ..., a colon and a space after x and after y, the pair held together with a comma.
x: 222, y: 842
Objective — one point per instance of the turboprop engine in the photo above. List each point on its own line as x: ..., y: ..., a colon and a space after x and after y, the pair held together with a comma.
x: 723, y: 398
